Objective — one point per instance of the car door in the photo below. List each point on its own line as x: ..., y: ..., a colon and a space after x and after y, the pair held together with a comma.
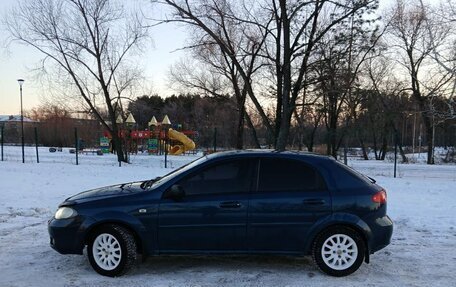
x: 290, y: 197
x: 212, y: 215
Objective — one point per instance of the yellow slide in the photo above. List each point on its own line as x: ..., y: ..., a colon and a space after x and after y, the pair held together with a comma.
x: 187, y: 144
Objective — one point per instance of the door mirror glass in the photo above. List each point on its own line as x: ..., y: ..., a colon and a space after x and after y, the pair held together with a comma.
x: 175, y: 192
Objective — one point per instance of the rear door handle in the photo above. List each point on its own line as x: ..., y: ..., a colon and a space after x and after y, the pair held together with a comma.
x: 230, y: 204
x: 314, y: 201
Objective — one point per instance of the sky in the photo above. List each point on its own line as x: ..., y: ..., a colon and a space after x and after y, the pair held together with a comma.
x: 17, y: 61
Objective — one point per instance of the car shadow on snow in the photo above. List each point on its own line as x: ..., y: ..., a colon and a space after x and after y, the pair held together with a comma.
x: 236, y: 270
x: 173, y: 264
x: 212, y: 270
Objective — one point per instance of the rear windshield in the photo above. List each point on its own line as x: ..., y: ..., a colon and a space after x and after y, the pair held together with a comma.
x: 346, y: 177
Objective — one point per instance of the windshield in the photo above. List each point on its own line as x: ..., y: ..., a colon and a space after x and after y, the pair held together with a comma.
x: 179, y: 171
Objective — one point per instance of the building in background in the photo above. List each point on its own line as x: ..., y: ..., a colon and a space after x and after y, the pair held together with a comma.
x: 12, y: 128
x: 52, y: 131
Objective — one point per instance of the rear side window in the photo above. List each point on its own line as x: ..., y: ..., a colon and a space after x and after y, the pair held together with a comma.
x: 227, y: 177
x: 288, y: 175
x: 347, y: 177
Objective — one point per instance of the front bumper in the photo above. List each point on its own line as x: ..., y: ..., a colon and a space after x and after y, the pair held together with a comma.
x: 67, y: 235
x: 382, y: 230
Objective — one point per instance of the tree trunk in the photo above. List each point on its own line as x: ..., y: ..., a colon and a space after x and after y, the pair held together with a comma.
x: 252, y: 130
x: 429, y: 137
x: 310, y: 145
x: 399, y: 144
x: 300, y: 140
x: 384, y: 144
x: 284, y: 132
x: 240, y: 127
x: 374, y: 139
x: 118, y: 146
x: 375, y: 147
x: 332, y: 138
x: 287, y: 107
x: 363, y: 148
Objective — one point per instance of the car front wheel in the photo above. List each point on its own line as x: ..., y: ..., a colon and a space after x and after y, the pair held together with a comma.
x: 112, y: 250
x: 339, y: 251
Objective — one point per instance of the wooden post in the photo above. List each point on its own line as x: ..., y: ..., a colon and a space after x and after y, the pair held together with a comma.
x: 215, y: 139
x: 76, y: 144
x: 1, y: 140
x: 36, y: 145
x: 395, y: 154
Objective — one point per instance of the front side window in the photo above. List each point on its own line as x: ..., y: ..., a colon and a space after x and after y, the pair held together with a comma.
x: 226, y: 177
x: 288, y: 175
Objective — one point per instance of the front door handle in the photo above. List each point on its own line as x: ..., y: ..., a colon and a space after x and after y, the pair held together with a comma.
x: 314, y: 201
x: 230, y: 204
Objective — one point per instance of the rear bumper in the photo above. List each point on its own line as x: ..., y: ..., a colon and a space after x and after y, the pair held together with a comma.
x: 66, y: 236
x: 382, y: 230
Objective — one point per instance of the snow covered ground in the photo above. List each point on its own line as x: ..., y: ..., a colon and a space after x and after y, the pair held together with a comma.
x: 421, y: 201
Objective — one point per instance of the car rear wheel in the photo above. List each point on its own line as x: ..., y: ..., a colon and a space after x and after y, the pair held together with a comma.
x: 112, y: 250
x: 338, y: 251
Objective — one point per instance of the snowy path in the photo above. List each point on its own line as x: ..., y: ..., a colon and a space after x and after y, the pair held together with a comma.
x: 422, y: 203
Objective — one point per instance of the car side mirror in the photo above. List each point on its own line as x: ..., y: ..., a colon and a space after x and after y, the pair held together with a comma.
x: 175, y: 192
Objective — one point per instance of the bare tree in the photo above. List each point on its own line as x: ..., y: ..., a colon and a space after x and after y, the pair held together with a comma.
x: 225, y: 35
x: 444, y: 54
x: 214, y: 74
x: 408, y: 30
x: 291, y: 30
x: 308, y: 118
x: 442, y: 50
x: 86, y: 43
x: 299, y: 29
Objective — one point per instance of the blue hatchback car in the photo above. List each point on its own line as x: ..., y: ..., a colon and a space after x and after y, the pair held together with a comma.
x: 237, y: 202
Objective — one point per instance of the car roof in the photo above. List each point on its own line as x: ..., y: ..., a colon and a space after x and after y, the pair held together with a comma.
x: 269, y: 152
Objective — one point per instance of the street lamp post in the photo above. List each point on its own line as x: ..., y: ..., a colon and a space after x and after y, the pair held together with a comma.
x: 21, y: 82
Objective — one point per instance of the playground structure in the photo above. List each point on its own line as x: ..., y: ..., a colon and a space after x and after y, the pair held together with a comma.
x: 186, y: 144
x: 155, y: 141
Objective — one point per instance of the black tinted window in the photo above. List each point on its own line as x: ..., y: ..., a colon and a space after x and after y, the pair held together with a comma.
x: 347, y: 178
x: 288, y: 175
x: 227, y: 177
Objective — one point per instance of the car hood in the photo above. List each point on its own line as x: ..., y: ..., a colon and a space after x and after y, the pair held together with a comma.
x: 104, y: 192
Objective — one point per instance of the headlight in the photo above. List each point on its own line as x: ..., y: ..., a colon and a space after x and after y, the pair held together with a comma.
x: 65, y: 212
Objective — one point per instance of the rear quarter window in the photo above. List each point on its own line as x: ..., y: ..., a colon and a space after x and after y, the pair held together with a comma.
x: 348, y: 178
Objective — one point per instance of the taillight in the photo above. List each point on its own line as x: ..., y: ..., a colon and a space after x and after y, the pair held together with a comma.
x: 379, y: 197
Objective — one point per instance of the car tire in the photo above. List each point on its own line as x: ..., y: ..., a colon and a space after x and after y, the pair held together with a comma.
x: 112, y: 250
x: 338, y: 251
